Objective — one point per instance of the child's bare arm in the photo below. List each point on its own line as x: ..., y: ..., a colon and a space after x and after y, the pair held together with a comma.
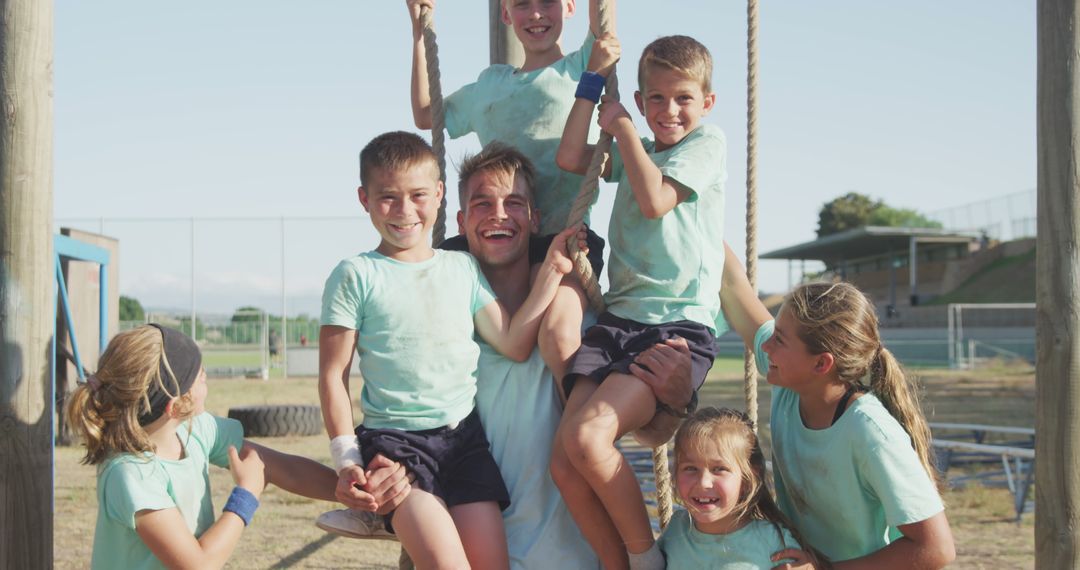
x: 336, y: 346
x: 421, y: 97
x: 742, y: 308
x: 575, y: 153
x: 926, y: 544
x: 165, y: 533
x: 515, y: 336
x: 654, y: 193
x: 295, y: 474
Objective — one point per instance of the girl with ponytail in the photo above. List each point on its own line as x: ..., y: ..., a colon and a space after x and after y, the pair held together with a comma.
x: 143, y: 419
x: 851, y: 448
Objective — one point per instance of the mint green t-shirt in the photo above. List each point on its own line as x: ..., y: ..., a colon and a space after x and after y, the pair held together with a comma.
x: 129, y: 483
x: 415, y: 325
x: 670, y: 269
x: 748, y: 548
x: 847, y: 487
x: 527, y: 110
x: 520, y: 411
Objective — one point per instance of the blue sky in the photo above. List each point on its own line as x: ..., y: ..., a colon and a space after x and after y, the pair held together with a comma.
x: 246, y: 108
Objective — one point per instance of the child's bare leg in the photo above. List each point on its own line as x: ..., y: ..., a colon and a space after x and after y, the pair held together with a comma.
x: 480, y: 526
x: 560, y: 331
x: 621, y: 404
x: 588, y: 512
x: 428, y: 533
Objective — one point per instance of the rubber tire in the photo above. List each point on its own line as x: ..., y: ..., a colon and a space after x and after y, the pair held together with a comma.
x: 278, y: 420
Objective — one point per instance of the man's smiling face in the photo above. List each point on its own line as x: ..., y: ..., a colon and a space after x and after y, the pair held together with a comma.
x: 497, y: 217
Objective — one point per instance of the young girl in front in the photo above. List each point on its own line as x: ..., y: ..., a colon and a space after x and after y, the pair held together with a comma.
x: 144, y: 422
x: 730, y: 521
x: 851, y: 448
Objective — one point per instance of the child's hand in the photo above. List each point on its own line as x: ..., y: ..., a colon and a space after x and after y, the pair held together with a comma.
x: 248, y: 470
x: 558, y: 256
x: 414, y: 7
x: 349, y: 492
x: 606, y: 52
x: 610, y: 113
x: 800, y: 560
x: 388, y: 483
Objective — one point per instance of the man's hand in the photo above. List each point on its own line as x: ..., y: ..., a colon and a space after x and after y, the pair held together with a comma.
x: 388, y: 483
x: 667, y: 368
x: 605, y: 54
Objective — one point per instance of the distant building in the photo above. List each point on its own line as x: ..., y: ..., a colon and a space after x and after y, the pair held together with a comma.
x: 896, y: 266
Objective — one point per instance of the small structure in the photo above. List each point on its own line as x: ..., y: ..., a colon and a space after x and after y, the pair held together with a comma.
x: 875, y: 258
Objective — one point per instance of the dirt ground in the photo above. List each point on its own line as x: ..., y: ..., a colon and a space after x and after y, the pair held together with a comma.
x: 283, y: 534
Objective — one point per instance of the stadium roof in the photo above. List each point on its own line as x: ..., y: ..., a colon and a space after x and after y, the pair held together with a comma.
x: 869, y: 241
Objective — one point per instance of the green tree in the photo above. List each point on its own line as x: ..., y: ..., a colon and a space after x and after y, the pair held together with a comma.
x: 247, y: 315
x: 901, y: 218
x: 131, y: 309
x: 852, y: 210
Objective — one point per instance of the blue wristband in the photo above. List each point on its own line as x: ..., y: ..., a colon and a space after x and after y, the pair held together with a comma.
x: 242, y: 503
x: 590, y: 86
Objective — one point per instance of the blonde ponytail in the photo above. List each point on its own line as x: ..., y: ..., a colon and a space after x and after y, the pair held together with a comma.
x: 892, y: 387
x: 105, y: 411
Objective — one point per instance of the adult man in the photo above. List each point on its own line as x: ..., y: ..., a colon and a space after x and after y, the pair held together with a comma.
x: 518, y: 402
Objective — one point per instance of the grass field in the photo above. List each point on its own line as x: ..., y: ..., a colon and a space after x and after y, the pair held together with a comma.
x: 283, y: 534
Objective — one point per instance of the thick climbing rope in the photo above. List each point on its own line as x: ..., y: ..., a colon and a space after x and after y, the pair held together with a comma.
x: 750, y: 366
x: 438, y: 116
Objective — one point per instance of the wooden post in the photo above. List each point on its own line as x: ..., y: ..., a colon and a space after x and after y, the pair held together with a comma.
x: 505, y: 47
x: 27, y: 272
x: 1057, y: 291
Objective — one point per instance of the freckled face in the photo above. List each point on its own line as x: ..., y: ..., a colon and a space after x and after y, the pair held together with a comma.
x: 403, y: 205
x: 672, y: 104
x: 710, y: 488
x: 538, y: 24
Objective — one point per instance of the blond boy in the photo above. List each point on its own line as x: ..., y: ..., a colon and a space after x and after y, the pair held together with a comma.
x: 665, y: 268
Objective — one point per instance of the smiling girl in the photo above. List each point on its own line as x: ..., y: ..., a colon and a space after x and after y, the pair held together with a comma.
x: 730, y: 519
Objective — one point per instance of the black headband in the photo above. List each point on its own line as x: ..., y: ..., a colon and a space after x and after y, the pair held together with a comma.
x: 184, y: 359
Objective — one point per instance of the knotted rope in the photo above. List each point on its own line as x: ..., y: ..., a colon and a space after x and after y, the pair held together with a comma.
x: 750, y: 364
x: 438, y: 116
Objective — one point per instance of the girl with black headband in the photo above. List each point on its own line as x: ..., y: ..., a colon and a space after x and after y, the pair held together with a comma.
x: 144, y: 422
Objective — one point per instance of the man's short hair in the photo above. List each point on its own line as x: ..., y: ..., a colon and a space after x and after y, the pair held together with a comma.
x: 396, y: 150
x: 496, y: 157
x: 682, y: 54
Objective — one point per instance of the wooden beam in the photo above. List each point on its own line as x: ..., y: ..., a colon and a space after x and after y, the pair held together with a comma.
x: 1057, y: 295
x: 26, y: 283
x: 505, y: 47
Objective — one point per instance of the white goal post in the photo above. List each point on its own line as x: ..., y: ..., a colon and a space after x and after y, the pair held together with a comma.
x: 962, y: 348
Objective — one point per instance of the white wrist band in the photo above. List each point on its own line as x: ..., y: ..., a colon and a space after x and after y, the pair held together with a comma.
x: 345, y: 452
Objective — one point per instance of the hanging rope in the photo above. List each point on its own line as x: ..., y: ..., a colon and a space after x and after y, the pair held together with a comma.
x: 438, y: 116
x: 750, y: 365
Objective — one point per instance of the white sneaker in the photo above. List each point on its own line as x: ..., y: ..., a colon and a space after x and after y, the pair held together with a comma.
x: 354, y: 524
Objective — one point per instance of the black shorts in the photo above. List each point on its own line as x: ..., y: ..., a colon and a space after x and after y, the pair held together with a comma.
x: 613, y: 343
x: 452, y: 463
x: 538, y: 246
